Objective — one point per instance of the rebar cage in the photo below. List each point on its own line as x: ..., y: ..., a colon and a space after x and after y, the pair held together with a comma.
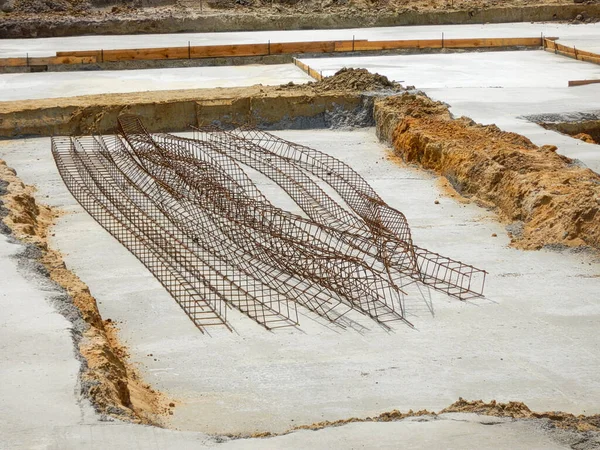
x: 190, y: 212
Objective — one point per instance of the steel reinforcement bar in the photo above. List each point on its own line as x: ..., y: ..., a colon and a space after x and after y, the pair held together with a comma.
x: 190, y: 212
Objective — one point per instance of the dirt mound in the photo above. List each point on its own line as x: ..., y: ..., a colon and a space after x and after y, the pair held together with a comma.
x: 515, y: 410
x: 112, y: 385
x: 585, y: 138
x: 357, y: 80
x: 48, y: 6
x: 557, y: 201
x: 519, y: 410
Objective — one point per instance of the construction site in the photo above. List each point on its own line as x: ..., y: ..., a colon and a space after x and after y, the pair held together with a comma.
x: 299, y: 224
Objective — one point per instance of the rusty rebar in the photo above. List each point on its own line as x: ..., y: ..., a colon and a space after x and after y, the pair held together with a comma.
x: 189, y: 211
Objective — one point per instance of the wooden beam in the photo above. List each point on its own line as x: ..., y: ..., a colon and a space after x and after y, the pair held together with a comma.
x: 582, y: 82
x: 302, y: 47
x: 397, y: 45
x: 46, y: 61
x: 307, y: 69
x: 215, y: 51
x: 492, y: 42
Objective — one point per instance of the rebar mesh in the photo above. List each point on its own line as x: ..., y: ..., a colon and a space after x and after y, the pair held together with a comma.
x: 189, y: 211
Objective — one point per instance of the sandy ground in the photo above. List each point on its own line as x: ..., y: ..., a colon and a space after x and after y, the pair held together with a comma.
x: 531, y: 339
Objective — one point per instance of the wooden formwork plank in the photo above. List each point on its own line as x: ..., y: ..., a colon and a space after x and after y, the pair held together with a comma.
x: 309, y: 70
x: 214, y: 51
x: 591, y: 59
x: 348, y: 46
x: 582, y: 82
x: 46, y: 61
x: 302, y: 47
x: 145, y: 54
x: 399, y: 44
x: 575, y: 51
x: 493, y: 42
x: 80, y: 53
x: 313, y: 73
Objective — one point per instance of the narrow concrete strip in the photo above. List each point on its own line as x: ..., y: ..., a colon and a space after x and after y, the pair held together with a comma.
x: 38, y: 367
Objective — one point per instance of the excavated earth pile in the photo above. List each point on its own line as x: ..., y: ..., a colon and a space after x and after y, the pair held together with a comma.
x: 53, y: 18
x: 548, y: 199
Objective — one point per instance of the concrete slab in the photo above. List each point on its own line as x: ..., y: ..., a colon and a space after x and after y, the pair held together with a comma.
x: 455, y: 431
x: 38, y: 368
x: 410, y: 434
x: 506, y: 69
x: 499, y: 88
x: 23, y: 86
x: 49, y: 46
x: 533, y: 338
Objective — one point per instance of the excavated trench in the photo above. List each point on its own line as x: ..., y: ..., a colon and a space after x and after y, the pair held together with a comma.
x: 546, y: 198
x: 582, y: 126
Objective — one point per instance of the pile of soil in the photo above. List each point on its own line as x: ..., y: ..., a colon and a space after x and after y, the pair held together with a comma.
x: 360, y: 80
x: 519, y: 410
x: 52, y: 18
x: 108, y: 380
x: 54, y: 6
x: 282, y: 6
x: 585, y: 138
x: 515, y: 410
x: 553, y: 200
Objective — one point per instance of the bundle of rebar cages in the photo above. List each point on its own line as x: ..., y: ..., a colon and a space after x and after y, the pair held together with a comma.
x: 189, y: 211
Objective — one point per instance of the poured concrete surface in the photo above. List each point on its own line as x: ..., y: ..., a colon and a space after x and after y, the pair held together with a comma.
x: 495, y: 70
x: 453, y: 431
x: 23, y: 86
x: 532, y: 339
x: 496, y: 88
x: 38, y: 368
x: 49, y: 46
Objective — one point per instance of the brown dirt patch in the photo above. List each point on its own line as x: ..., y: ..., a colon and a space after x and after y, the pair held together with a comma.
x: 245, y: 7
x: 111, y: 382
x: 558, y: 201
x: 585, y: 138
x: 519, y: 410
x: 514, y: 410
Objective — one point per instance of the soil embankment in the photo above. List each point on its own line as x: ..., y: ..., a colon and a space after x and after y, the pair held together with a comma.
x: 546, y: 197
x: 54, y: 18
x: 107, y: 379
